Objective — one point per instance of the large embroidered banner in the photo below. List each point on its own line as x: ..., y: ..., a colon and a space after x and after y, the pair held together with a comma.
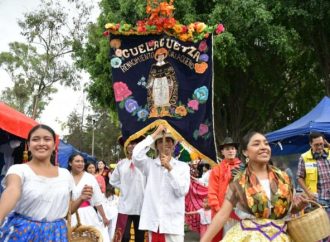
x: 160, y: 79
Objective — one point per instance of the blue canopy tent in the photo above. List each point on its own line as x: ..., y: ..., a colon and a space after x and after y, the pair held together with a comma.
x: 293, y: 138
x: 64, y: 152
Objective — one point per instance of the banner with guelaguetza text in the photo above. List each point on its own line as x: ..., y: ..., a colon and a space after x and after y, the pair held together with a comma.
x: 160, y: 79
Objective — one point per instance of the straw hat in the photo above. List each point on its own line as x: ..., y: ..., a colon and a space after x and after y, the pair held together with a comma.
x: 228, y: 141
x: 121, y: 140
x: 160, y: 136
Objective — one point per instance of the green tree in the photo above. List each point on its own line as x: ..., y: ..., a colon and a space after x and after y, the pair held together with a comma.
x: 37, y: 67
x: 106, y: 133
x: 262, y: 79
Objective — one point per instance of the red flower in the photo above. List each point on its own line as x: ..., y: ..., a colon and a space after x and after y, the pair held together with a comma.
x: 169, y: 23
x: 141, y: 29
x: 219, y: 29
x: 121, y: 91
x: 184, y: 29
x: 106, y: 33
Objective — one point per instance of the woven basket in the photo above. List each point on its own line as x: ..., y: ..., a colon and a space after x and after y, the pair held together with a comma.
x: 310, y: 227
x: 82, y: 233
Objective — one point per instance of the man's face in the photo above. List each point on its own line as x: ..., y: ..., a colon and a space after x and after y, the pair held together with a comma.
x: 229, y: 152
x: 317, y: 145
x: 169, y: 146
x: 130, y: 148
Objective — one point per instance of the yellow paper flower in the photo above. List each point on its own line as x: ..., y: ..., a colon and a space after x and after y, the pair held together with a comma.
x: 184, y: 37
x: 191, y: 28
x: 178, y: 28
x: 110, y: 26
x: 200, y: 27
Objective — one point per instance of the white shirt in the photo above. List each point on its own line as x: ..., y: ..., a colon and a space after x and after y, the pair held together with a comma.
x: 164, y: 198
x: 266, y: 186
x: 131, y: 182
x: 90, y: 180
x: 205, y: 178
x: 205, y: 216
x: 42, y: 198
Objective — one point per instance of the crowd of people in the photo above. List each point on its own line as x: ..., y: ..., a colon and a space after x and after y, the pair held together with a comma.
x: 248, y: 199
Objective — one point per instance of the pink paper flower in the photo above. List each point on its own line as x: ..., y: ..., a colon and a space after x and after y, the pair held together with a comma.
x: 193, y: 104
x: 121, y: 91
x: 203, y: 129
x: 219, y: 29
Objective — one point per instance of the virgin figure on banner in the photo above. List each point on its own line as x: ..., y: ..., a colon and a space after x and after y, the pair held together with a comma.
x: 162, y: 86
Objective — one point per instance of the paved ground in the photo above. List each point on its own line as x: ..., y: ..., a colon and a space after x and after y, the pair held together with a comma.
x: 191, y: 236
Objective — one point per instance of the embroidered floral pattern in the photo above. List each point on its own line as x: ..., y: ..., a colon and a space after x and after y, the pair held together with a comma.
x: 121, y: 91
x: 116, y: 62
x: 203, y: 131
x: 201, y: 94
x: 123, y: 95
x: 193, y: 104
x: 131, y: 105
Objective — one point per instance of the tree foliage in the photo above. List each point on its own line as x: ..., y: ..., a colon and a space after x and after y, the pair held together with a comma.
x: 270, y: 68
x: 106, y: 133
x: 37, y: 66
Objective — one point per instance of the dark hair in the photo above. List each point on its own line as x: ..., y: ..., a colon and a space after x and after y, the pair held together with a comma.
x: 50, y: 130
x: 106, y: 169
x: 110, y: 190
x: 315, y: 135
x: 246, y: 139
x: 88, y: 164
x: 207, y: 166
x: 71, y: 157
x: 41, y: 126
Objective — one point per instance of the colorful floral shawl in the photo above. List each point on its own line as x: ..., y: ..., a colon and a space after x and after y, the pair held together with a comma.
x: 258, y: 203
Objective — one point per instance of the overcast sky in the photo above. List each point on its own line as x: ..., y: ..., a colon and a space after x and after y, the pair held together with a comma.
x: 66, y: 100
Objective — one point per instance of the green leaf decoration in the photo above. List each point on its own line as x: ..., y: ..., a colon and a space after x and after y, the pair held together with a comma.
x: 195, y: 135
x: 121, y: 104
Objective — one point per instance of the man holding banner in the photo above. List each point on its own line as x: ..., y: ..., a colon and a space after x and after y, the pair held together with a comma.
x: 168, y: 182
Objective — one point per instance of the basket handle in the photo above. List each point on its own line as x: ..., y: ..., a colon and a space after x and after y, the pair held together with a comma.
x: 78, y: 219
x: 315, y: 203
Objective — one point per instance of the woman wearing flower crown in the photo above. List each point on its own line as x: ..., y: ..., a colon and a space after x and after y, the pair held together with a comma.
x: 262, y: 195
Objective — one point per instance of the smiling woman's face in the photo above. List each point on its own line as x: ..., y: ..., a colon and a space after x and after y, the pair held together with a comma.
x: 258, y: 149
x: 77, y: 164
x: 41, y: 144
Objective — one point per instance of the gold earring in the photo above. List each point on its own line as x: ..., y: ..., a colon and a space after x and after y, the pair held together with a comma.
x: 247, y: 160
